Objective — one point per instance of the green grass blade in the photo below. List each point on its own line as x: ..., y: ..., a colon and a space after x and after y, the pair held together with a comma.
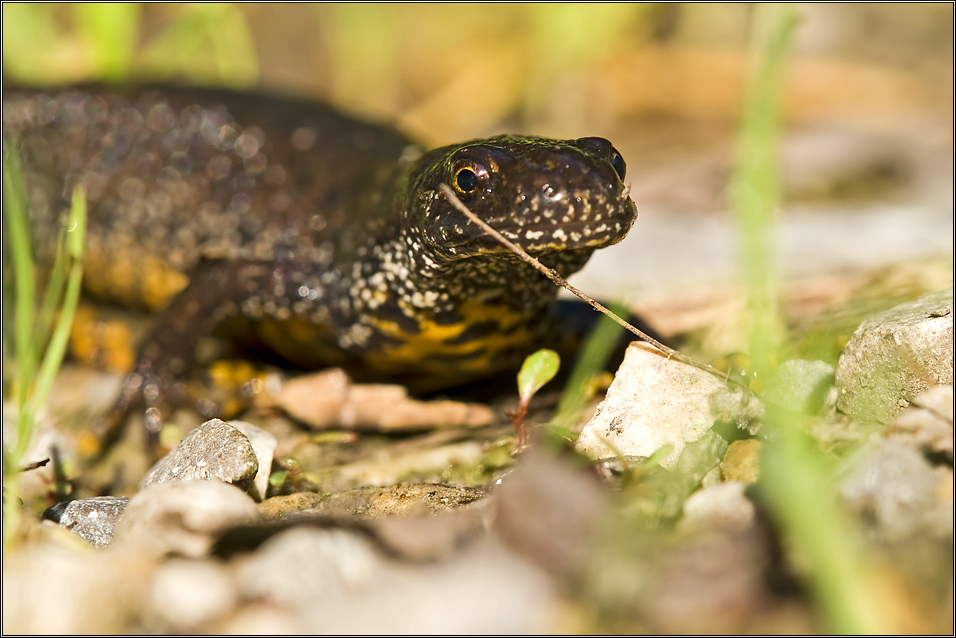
x: 24, y: 271
x: 34, y: 383
x: 754, y: 188
x: 594, y: 354
x: 797, y: 482
x: 53, y: 293
x: 53, y: 356
x: 799, y: 486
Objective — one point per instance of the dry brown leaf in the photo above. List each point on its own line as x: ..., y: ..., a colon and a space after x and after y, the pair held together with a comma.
x: 329, y: 399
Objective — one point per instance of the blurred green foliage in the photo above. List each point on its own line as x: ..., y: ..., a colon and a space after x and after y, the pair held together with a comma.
x: 374, y: 58
x: 63, y: 43
x: 796, y: 479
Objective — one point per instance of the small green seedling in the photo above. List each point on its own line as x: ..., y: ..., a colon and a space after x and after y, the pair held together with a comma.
x: 537, y: 369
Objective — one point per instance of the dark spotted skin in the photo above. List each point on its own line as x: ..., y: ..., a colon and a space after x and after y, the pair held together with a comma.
x: 328, y: 232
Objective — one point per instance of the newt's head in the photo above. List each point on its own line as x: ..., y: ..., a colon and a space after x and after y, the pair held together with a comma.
x: 544, y: 195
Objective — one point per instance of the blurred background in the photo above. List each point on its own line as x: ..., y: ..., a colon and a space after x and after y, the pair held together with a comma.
x: 866, y: 150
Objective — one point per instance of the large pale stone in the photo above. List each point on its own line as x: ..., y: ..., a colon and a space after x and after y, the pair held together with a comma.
x: 653, y: 401
x: 896, y: 355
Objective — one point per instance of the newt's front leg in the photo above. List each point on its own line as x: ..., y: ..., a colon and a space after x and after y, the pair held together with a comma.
x: 215, y: 291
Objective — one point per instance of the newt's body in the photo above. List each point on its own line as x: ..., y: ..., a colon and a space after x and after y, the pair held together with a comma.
x: 330, y: 233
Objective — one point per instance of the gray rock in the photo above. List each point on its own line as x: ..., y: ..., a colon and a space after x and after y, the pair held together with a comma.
x: 801, y: 385
x: 215, y: 451
x: 894, y: 487
x: 928, y: 423
x: 894, y: 356
x: 264, y: 444
x: 653, y: 401
x: 183, y: 517
x: 549, y: 510
x: 739, y: 407
x: 92, y: 519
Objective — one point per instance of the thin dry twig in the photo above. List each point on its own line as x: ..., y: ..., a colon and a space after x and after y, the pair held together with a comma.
x: 34, y: 466
x: 551, y: 274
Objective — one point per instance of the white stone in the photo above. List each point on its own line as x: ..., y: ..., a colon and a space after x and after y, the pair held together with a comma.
x: 653, y: 401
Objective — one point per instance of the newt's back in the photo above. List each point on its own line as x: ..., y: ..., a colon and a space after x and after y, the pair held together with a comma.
x: 173, y: 175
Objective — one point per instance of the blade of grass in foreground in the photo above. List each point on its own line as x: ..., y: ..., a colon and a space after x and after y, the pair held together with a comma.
x: 53, y: 356
x: 594, y: 355
x: 24, y: 273
x: 34, y: 377
x: 794, y: 476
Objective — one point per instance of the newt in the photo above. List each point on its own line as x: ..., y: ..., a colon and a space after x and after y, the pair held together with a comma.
x: 328, y: 233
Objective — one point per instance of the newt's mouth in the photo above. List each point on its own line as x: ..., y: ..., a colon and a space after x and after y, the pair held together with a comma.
x: 538, y: 239
x: 582, y: 234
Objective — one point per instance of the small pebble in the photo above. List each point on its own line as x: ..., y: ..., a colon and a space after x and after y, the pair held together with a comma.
x: 215, y: 451
x: 328, y: 563
x: 92, y: 519
x: 742, y: 461
x: 344, y: 585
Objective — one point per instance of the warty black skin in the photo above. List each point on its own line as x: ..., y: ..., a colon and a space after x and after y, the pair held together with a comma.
x: 328, y: 232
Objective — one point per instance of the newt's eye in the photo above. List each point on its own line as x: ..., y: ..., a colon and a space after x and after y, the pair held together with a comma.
x: 466, y: 180
x: 469, y: 177
x: 618, y: 163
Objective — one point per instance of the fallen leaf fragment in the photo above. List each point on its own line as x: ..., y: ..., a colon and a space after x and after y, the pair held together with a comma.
x: 329, y: 399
